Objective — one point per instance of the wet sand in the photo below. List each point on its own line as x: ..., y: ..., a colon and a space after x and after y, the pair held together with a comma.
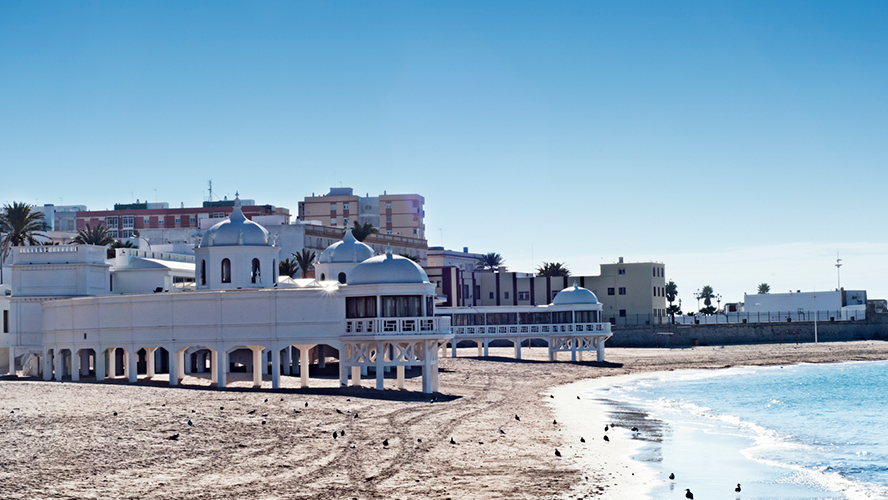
x: 63, y: 441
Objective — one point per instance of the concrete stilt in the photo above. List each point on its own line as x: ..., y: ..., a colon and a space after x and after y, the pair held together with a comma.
x: 11, y: 371
x: 518, y: 349
x: 453, y: 343
x: 343, y: 373
x: 149, y: 362
x: 486, y: 348
x: 356, y: 376
x: 580, y: 356
x: 112, y: 362
x: 220, y: 367
x: 275, y: 368
x: 480, y: 347
x: 58, y: 365
x: 100, y: 365
x: 380, y: 373
x: 601, y: 350
x: 180, y: 372
x: 173, y: 360
x: 131, y: 369
x: 400, y: 371
x: 75, y: 366
x: 303, y: 365
x: 257, y: 366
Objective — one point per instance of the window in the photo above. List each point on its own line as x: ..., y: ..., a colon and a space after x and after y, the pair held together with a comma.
x: 226, y: 271
x: 332, y: 222
x: 128, y: 221
x: 203, y: 272
x: 112, y: 234
x: 388, y: 219
x: 360, y: 307
x: 586, y: 316
x: 332, y: 207
x: 146, y: 221
x: 622, y: 290
x: 345, y: 222
x: 217, y: 216
x: 478, y: 291
x: 491, y: 295
x: 5, y: 321
x: 342, y: 278
x: 178, y: 220
x: 621, y: 271
x: 126, y: 233
x: 610, y: 291
x: 274, y: 272
x: 622, y: 313
x: 254, y: 272
x: 655, y: 272
x: 160, y: 220
x: 345, y: 206
x: 415, y: 231
x: 465, y: 291
x: 191, y: 220
x: 523, y: 295
x: 506, y: 295
x: 111, y: 283
x: 388, y: 232
x: 388, y: 206
x: 403, y: 306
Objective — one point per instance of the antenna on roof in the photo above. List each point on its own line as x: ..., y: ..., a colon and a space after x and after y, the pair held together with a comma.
x: 210, y: 197
x: 839, y: 270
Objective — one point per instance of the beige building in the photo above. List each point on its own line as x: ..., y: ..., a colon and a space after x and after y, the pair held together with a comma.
x: 632, y: 293
x: 391, y: 214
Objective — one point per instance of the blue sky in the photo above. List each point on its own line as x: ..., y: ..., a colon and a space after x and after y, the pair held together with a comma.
x: 738, y: 143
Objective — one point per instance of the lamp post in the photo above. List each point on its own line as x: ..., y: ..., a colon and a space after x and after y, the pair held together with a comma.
x: 698, y: 296
x: 815, y: 318
x: 718, y: 298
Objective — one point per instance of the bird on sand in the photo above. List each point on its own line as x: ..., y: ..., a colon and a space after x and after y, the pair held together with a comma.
x: 282, y: 399
x: 263, y: 421
x: 582, y: 440
x: 688, y: 494
x: 516, y: 418
x: 551, y: 396
x: 306, y: 404
x: 385, y: 442
x: 335, y: 434
x: 452, y: 441
x: 605, y: 427
x: 342, y: 432
x: 672, y: 476
x: 606, y: 438
x: 190, y: 423
x: 266, y: 400
x: 251, y: 412
x: 418, y: 440
x: 296, y: 411
x: 578, y: 397
x: 115, y: 413
x: 356, y: 414
x: 192, y: 410
x: 174, y: 437
x: 737, y: 489
x: 557, y: 453
x: 338, y: 411
x: 221, y: 408
x: 501, y: 431
x: 554, y: 422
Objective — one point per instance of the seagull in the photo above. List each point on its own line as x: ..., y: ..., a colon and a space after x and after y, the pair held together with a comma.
x: 163, y: 404
x: 689, y: 494
x: 606, y: 438
x: 578, y: 397
x: 263, y: 421
x: 452, y: 441
x: 557, y: 453
x: 306, y: 404
x: 251, y: 412
x: 418, y: 440
x: 551, y: 396
x: 338, y: 411
x: 554, y: 422
x: 672, y: 476
x: 282, y: 399
x: 351, y: 445
x: 296, y: 411
x: 356, y: 414
x: 385, y: 442
x: 174, y: 437
x: 335, y: 434
x: 582, y: 440
x: 221, y: 408
x: 115, y: 413
x: 192, y: 410
x: 737, y: 489
x: 342, y: 432
x: 190, y: 423
x: 501, y: 431
x: 266, y: 400
x: 516, y: 418
x: 605, y: 427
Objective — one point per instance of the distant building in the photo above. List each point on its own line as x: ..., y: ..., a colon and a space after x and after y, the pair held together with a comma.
x: 834, y: 304
x: 128, y: 219
x: 632, y: 293
x: 391, y: 214
x: 61, y: 218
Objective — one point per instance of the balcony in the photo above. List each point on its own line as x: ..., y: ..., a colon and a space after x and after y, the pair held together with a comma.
x: 397, y: 326
x: 579, y: 329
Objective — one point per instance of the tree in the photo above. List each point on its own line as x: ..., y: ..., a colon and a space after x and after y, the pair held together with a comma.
x: 707, y: 294
x: 20, y: 225
x: 490, y: 261
x: 288, y: 267
x: 552, y: 269
x: 671, y: 294
x: 118, y: 244
x: 304, y: 261
x: 362, y: 231
x: 93, y: 236
x: 764, y: 288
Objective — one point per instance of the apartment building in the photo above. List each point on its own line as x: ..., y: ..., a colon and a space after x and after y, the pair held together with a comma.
x: 391, y: 214
x: 631, y: 292
x: 126, y: 219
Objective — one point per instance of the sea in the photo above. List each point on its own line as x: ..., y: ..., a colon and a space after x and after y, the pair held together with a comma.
x: 809, y: 431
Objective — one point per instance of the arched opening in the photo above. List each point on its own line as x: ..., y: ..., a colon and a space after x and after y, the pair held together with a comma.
x: 254, y: 271
x: 226, y: 271
x: 323, y: 277
x: 203, y: 272
x: 342, y: 278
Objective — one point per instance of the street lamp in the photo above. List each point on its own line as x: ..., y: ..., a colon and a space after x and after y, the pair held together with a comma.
x: 699, y: 296
x: 718, y: 299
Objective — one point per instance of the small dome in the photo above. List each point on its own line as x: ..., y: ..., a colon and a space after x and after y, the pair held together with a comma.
x: 387, y: 268
x: 235, y: 230
x: 347, y: 250
x: 575, y: 295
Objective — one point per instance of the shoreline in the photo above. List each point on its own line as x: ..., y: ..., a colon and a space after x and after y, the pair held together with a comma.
x: 62, y: 440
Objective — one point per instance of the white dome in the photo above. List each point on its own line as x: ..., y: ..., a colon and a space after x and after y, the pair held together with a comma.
x: 347, y: 250
x: 387, y: 268
x: 575, y: 295
x: 235, y: 230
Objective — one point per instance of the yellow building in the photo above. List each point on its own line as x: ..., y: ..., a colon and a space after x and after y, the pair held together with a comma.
x: 391, y: 214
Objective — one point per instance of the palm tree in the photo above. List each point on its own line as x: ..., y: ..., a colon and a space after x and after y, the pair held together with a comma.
x: 288, y: 267
x: 764, y: 288
x: 304, y: 261
x: 362, y: 231
x: 552, y: 269
x: 671, y: 294
x: 490, y: 261
x: 93, y: 236
x: 707, y: 294
x: 20, y: 225
x: 118, y: 244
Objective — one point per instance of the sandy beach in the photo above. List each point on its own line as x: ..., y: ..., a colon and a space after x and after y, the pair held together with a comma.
x: 62, y: 440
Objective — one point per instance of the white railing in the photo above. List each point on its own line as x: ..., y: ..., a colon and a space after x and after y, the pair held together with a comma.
x: 148, y: 254
x: 396, y: 326
x: 550, y: 329
x: 49, y: 249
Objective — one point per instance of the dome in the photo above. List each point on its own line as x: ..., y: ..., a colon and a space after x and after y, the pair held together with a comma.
x: 235, y: 230
x: 347, y: 250
x: 387, y: 268
x: 575, y: 295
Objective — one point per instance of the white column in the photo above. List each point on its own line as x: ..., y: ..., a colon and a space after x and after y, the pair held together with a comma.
x: 303, y: 365
x: 84, y: 362
x: 57, y: 364
x: 400, y: 371
x: 365, y: 371
x: 486, y: 348
x: 265, y: 368
x: 275, y: 368
x: 257, y: 366
x: 343, y: 370
x: 580, y: 356
x: 220, y: 366
x: 573, y: 350
x: 180, y: 372
x: 100, y: 365
x: 356, y: 376
x: 380, y: 373
x: 11, y: 371
x: 322, y: 357
x: 131, y: 366
x: 187, y: 365
x: 518, y: 348
x: 285, y: 361
x: 75, y: 365
x: 112, y: 362
x: 480, y: 345
x: 600, y: 349
x: 444, y: 350
x: 149, y: 361
x: 427, y: 366
x: 174, y: 365
x: 552, y: 353
x: 454, y: 347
